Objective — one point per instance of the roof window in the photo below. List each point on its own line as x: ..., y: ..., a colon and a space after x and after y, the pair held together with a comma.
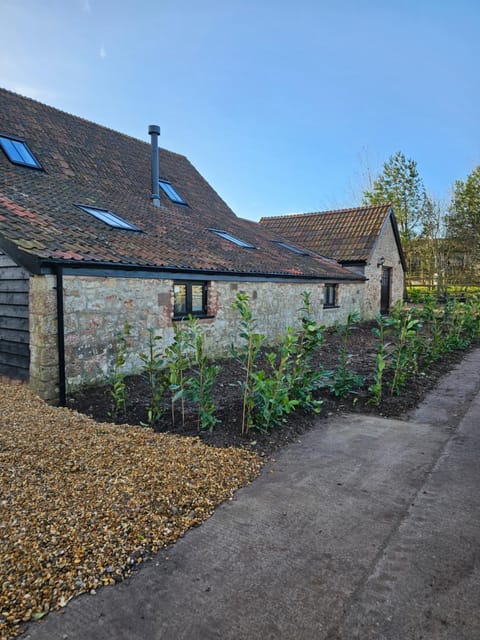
x: 228, y: 236
x: 108, y: 217
x: 18, y: 152
x: 170, y: 192
x: 289, y: 247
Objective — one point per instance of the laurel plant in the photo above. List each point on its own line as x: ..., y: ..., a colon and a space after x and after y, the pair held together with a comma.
x: 119, y: 388
x: 201, y: 379
x: 382, y: 356
x: 177, y: 357
x: 247, y: 354
x: 346, y: 380
x: 306, y: 376
x: 154, y: 371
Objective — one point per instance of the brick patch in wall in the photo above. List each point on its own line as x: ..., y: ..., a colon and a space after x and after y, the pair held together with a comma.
x: 11, y: 381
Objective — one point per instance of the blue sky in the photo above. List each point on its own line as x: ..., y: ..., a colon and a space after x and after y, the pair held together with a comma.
x: 282, y: 106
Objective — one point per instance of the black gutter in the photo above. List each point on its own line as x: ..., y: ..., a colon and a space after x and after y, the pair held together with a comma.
x: 62, y: 387
x: 149, y: 271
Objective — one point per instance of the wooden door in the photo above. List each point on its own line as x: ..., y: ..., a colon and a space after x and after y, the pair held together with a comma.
x: 385, y: 290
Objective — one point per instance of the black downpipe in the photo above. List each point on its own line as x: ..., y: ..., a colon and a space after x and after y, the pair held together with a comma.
x: 61, y: 338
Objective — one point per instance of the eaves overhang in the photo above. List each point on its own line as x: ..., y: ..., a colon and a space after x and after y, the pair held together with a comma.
x: 42, y: 266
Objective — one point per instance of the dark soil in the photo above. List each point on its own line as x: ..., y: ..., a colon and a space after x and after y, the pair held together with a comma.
x: 97, y: 401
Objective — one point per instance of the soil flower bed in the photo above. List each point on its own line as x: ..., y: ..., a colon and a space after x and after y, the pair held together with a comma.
x: 97, y: 402
x: 82, y: 503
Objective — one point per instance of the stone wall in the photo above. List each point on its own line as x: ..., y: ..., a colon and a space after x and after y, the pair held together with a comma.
x: 386, y: 248
x: 276, y: 306
x: 96, y: 308
x: 43, y: 337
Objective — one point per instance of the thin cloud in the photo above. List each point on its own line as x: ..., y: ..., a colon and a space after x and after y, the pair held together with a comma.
x: 86, y: 6
x: 103, y: 53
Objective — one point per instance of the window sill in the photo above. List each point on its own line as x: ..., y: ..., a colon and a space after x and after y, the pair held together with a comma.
x: 331, y: 306
x: 187, y: 317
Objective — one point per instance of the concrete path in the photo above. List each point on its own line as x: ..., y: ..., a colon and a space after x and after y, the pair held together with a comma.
x: 367, y: 528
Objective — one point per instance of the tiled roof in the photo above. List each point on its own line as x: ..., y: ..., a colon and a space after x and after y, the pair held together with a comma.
x: 347, y: 235
x: 92, y: 165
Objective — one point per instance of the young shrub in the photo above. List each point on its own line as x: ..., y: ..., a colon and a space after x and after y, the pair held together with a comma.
x: 119, y: 388
x: 305, y: 377
x: 408, y: 346
x: 246, y: 355
x: 381, y: 359
x: 345, y: 380
x: 272, y: 395
x: 177, y: 362
x: 154, y: 366
x: 199, y: 385
x: 453, y: 326
x: 473, y: 306
x: 432, y: 319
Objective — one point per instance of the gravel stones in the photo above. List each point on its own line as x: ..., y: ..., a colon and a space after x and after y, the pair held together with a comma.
x: 83, y: 503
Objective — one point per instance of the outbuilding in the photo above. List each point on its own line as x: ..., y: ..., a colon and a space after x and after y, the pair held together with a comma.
x: 363, y: 239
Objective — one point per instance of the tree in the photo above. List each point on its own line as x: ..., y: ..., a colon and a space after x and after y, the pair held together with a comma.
x: 463, y: 224
x: 429, y: 251
x: 400, y: 185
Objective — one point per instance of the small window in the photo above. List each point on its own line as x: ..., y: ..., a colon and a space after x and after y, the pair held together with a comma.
x: 170, y: 192
x: 228, y: 236
x: 330, y: 295
x: 108, y: 217
x: 289, y: 247
x: 18, y: 152
x: 189, y: 298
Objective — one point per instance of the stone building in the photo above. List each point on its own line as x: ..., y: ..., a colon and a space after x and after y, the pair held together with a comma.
x: 364, y: 239
x: 98, y: 229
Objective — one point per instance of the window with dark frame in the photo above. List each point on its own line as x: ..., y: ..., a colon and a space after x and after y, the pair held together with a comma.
x: 189, y: 298
x: 228, y: 236
x: 330, y: 295
x: 168, y: 189
x: 17, y: 151
x: 108, y: 217
x: 289, y: 247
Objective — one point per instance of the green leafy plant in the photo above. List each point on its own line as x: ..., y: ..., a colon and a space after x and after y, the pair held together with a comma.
x: 177, y: 363
x: 381, y: 359
x: 408, y: 347
x: 345, y: 380
x: 246, y: 355
x: 462, y: 323
x: 119, y: 388
x: 432, y: 318
x: 305, y: 377
x: 199, y: 385
x: 273, y: 400
x: 154, y: 366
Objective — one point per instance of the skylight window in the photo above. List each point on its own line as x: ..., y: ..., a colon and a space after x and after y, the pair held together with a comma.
x: 228, y: 236
x: 289, y: 247
x: 170, y: 192
x: 108, y: 217
x: 18, y: 152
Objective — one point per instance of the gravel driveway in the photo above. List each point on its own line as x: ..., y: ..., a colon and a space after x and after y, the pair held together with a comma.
x: 83, y: 503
